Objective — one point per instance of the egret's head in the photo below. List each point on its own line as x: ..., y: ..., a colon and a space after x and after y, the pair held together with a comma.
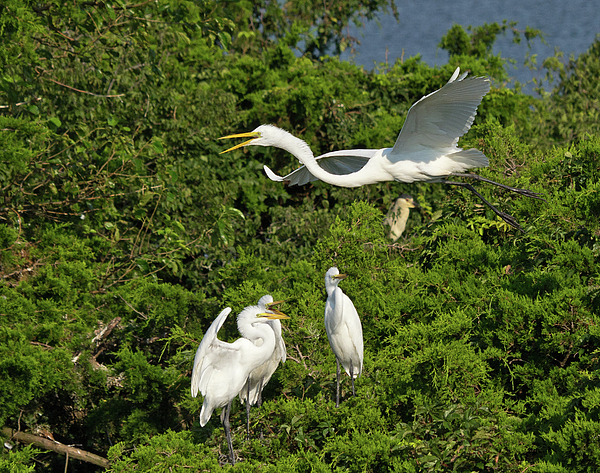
x: 264, y: 135
x: 265, y: 304
x: 333, y: 277
x: 265, y: 301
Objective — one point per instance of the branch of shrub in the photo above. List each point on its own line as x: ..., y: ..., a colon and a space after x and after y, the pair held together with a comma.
x: 55, y: 446
x: 79, y: 90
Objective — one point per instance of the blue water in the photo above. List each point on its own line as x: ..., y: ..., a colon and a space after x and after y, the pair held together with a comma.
x: 569, y: 25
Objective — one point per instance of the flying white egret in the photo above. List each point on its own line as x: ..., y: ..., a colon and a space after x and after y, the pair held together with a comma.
x: 221, y: 369
x: 251, y: 392
x: 426, y: 149
x: 344, y: 330
x: 397, y: 216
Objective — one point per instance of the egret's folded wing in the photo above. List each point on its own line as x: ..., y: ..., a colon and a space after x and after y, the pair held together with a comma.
x: 281, y: 350
x: 340, y: 162
x: 209, y: 343
x: 439, y: 119
x: 354, y: 325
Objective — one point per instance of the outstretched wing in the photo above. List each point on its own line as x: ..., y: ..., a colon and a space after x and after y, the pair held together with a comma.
x: 209, y: 345
x: 340, y: 162
x: 439, y: 119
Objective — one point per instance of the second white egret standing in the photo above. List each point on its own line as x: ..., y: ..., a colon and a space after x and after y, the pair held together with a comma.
x: 221, y: 369
x: 344, y: 330
x: 426, y: 149
x: 251, y: 392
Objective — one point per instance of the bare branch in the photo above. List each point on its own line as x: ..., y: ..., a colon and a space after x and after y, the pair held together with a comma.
x: 36, y: 99
x: 81, y: 91
x: 55, y: 446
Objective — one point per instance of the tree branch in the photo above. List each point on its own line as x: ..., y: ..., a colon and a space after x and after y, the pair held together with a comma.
x: 35, y: 99
x: 82, y: 91
x: 55, y: 446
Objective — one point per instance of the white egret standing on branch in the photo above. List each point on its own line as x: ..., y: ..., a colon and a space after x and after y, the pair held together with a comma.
x: 397, y: 216
x: 425, y: 151
x: 251, y: 392
x: 344, y: 330
x: 221, y: 369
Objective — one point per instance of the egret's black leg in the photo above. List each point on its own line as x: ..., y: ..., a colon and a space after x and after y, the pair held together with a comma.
x: 352, y: 378
x: 476, y: 177
x: 337, y: 384
x: 504, y: 216
x: 248, y: 413
x: 228, y: 432
x: 259, y: 400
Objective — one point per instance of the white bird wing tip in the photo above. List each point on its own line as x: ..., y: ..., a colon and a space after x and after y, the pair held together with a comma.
x: 271, y: 175
x: 454, y: 75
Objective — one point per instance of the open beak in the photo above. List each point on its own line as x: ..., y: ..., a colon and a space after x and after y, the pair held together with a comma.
x: 251, y: 134
x: 340, y: 276
x: 274, y: 315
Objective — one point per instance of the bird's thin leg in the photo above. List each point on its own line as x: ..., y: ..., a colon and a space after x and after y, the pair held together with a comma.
x: 226, y: 426
x: 259, y: 400
x: 248, y: 413
x: 352, y: 378
x: 337, y: 384
x: 259, y: 403
x: 477, y: 177
x: 504, y: 216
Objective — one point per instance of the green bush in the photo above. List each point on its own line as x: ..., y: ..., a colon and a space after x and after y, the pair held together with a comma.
x: 124, y: 232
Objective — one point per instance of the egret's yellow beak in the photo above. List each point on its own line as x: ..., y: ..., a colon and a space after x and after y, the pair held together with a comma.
x: 340, y: 276
x: 251, y: 134
x: 275, y: 315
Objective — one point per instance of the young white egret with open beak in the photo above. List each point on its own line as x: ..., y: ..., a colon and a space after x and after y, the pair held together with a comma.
x: 251, y: 392
x: 222, y: 369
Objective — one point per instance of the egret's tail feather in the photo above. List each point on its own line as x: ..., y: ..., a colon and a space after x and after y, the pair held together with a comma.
x: 470, y: 158
x: 254, y: 392
x: 355, y: 372
x: 271, y: 175
x: 205, y: 413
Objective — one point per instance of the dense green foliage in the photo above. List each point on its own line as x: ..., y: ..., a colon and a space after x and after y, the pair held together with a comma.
x: 482, y: 344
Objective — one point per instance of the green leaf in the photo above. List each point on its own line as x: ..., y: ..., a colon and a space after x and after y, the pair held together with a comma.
x: 158, y: 146
x: 55, y: 121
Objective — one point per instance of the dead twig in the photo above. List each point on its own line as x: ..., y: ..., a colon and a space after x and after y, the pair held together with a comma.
x: 103, y: 335
x: 82, y: 91
x: 55, y: 446
x: 144, y: 316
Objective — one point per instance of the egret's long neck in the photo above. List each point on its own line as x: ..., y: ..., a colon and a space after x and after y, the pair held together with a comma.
x: 259, y: 333
x: 303, y: 153
x: 330, y: 288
